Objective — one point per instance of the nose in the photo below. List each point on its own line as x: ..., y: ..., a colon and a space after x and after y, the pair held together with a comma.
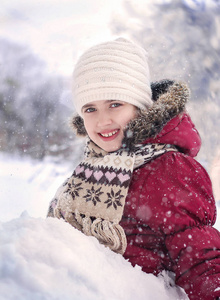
x: 104, y: 119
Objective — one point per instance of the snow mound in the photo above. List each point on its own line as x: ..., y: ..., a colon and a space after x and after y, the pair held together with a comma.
x: 47, y: 259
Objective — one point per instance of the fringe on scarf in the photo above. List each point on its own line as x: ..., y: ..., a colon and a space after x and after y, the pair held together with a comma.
x: 107, y: 233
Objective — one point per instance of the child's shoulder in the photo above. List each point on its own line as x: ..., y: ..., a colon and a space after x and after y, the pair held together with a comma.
x: 175, y: 163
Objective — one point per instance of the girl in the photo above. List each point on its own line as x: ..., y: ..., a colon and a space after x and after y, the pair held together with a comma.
x: 139, y: 190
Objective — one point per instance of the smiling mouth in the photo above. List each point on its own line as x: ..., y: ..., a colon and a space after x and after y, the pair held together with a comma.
x: 109, y: 134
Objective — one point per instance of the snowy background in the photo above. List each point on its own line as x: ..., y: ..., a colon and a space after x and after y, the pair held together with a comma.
x: 44, y: 259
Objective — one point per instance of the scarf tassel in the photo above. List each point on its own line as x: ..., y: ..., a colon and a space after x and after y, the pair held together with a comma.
x: 108, y: 233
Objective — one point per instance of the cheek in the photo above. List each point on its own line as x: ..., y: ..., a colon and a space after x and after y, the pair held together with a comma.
x: 87, y: 120
x: 135, y: 113
x: 130, y: 116
x: 88, y: 126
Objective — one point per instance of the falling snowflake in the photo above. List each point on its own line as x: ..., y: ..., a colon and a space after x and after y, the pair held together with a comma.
x: 93, y: 195
x: 114, y: 199
x: 73, y: 189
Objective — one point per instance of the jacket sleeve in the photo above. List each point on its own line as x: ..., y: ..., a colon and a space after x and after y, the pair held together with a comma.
x: 183, y: 209
x: 54, y: 201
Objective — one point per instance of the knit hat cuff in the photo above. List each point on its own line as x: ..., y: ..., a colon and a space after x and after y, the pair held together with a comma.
x: 117, y: 95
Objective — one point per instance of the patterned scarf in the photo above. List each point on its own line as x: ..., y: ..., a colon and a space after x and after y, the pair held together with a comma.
x: 93, y: 198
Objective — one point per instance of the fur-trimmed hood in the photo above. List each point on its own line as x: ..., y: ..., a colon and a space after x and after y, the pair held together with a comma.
x: 165, y: 122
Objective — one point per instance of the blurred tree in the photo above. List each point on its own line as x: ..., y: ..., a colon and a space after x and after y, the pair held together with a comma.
x: 32, y: 119
x: 182, y: 39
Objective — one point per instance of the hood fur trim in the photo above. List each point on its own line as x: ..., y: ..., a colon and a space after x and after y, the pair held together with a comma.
x: 77, y: 125
x: 170, y: 100
x: 150, y: 122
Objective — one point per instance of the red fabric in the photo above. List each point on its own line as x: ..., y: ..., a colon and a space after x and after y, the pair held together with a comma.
x: 180, y: 131
x: 169, y: 214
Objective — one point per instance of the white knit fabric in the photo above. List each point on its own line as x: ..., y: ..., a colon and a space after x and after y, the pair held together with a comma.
x: 115, y: 70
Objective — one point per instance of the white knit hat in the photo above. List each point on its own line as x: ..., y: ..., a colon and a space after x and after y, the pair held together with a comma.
x: 115, y: 70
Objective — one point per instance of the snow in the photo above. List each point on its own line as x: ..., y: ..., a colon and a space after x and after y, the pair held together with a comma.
x: 215, y: 175
x: 45, y: 258
x: 48, y: 259
x: 29, y: 185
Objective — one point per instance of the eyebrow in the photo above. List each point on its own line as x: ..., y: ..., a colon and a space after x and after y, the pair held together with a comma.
x: 91, y: 104
x: 87, y: 105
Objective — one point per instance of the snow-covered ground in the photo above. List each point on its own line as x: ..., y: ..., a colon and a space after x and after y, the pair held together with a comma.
x: 50, y: 260
x: 28, y: 185
x: 47, y: 259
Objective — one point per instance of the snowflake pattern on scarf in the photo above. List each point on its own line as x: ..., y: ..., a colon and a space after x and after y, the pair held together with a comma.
x: 114, y: 199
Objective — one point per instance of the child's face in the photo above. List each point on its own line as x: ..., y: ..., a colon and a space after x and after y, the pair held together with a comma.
x: 105, y: 121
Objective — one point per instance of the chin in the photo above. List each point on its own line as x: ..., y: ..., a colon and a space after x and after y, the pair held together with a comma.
x: 111, y: 148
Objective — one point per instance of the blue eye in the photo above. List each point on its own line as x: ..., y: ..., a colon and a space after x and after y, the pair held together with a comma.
x: 116, y: 104
x: 89, y: 110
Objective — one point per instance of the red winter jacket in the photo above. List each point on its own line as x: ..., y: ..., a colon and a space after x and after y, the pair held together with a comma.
x: 169, y: 214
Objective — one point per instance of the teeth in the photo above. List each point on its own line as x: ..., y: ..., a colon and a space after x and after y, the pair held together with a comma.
x: 109, y: 134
